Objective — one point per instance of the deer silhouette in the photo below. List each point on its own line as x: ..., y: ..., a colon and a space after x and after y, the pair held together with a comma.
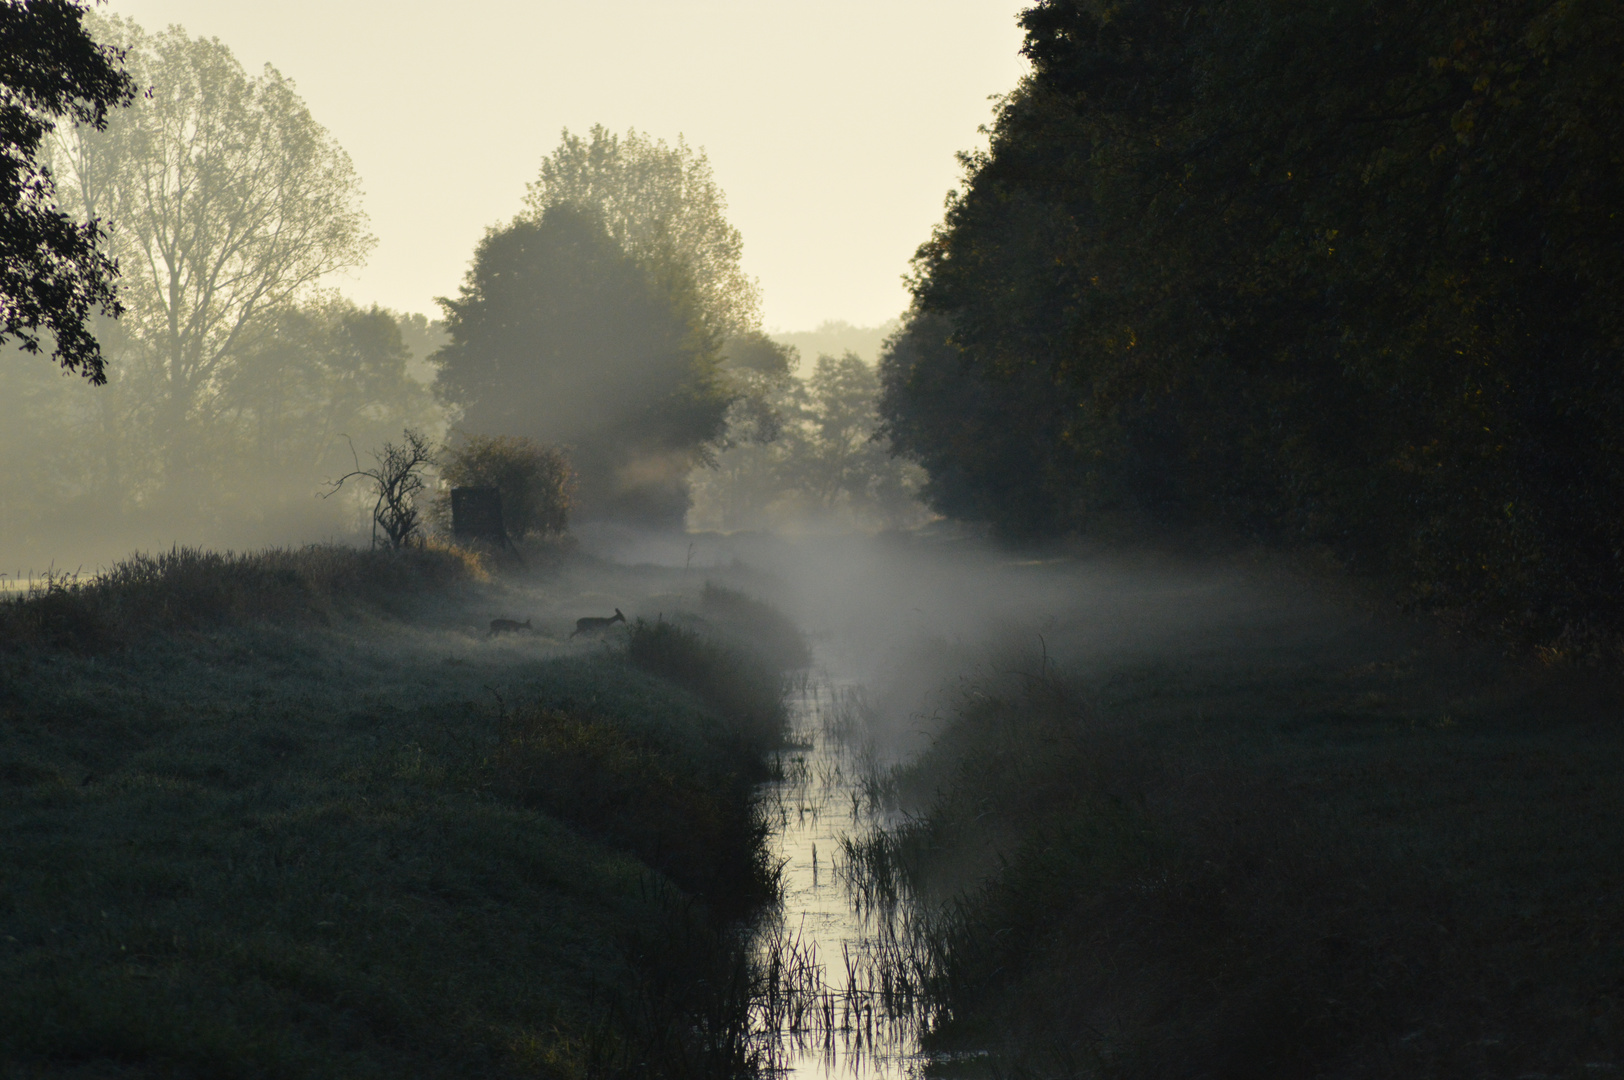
x: 592, y: 623
x: 508, y: 626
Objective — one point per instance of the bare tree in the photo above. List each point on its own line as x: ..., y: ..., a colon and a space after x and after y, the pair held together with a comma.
x: 396, y: 481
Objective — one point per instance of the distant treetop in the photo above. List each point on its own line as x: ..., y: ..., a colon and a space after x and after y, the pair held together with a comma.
x: 662, y: 204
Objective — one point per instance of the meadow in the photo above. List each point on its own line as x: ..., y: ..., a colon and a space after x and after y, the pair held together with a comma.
x: 300, y: 814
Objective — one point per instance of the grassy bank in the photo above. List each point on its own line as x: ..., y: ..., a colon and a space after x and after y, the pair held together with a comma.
x: 1267, y: 865
x: 294, y: 828
x: 186, y: 588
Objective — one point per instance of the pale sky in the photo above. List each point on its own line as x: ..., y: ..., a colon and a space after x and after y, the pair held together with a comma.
x: 832, y: 127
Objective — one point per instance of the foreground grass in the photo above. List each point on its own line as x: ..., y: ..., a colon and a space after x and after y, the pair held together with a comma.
x: 315, y: 844
x: 1268, y: 865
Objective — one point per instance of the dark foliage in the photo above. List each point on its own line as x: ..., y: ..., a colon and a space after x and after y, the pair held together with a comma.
x: 1344, y: 273
x: 700, y: 830
x: 536, y: 482
x: 1278, y: 870
x: 52, y: 274
x: 757, y: 627
x: 560, y: 336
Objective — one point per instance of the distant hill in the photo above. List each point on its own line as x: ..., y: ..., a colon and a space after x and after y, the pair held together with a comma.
x: 834, y: 337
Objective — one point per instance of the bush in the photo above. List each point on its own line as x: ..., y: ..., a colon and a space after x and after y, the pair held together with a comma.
x: 537, y: 482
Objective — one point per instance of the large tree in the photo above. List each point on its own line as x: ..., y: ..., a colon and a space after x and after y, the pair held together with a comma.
x: 54, y: 273
x: 559, y: 335
x: 662, y: 204
x: 1346, y: 272
x: 231, y: 203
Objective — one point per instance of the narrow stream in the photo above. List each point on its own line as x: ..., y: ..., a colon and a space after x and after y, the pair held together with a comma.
x: 830, y: 1019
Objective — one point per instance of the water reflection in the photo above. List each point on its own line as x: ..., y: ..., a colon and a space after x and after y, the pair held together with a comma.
x: 832, y: 1007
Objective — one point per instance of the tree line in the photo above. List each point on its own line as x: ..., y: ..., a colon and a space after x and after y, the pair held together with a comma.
x: 1343, y: 274
x: 604, y: 351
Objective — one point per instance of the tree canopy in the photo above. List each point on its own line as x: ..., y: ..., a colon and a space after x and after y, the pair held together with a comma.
x: 231, y: 204
x: 1346, y: 272
x: 560, y: 336
x: 662, y: 204
x: 54, y: 273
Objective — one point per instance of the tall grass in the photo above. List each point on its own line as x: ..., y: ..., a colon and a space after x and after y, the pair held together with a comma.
x: 699, y: 827
x: 744, y: 688
x: 756, y: 626
x: 299, y: 843
x: 186, y: 587
x: 1260, y: 870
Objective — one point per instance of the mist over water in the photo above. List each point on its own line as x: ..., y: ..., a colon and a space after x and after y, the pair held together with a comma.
x: 908, y: 615
x: 903, y: 625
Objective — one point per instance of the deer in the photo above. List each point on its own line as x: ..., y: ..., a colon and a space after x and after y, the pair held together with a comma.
x: 508, y: 626
x: 593, y: 624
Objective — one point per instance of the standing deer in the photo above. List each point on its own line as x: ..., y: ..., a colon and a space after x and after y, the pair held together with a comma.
x: 593, y: 624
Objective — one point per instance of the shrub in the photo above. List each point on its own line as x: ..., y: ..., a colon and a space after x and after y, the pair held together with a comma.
x: 397, y: 480
x: 537, y: 482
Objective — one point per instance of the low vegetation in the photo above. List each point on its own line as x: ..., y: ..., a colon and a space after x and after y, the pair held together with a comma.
x: 256, y: 821
x: 744, y: 687
x: 185, y: 588
x: 1269, y: 866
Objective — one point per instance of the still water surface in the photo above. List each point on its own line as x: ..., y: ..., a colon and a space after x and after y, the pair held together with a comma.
x: 834, y: 1021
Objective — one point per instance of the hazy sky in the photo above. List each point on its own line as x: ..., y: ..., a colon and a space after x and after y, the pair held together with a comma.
x: 831, y: 126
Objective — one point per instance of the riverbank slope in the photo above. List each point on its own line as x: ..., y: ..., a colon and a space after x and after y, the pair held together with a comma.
x: 327, y: 824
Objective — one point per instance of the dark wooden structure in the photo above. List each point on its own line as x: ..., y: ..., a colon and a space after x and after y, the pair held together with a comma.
x: 476, y: 514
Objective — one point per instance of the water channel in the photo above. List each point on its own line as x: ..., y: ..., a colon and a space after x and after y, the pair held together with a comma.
x: 835, y: 1019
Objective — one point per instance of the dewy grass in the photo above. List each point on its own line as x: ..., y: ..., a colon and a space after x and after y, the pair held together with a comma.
x: 186, y: 587
x: 312, y: 847
x: 1266, y: 869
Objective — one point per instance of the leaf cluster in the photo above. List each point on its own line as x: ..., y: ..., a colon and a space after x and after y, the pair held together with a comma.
x: 54, y: 271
